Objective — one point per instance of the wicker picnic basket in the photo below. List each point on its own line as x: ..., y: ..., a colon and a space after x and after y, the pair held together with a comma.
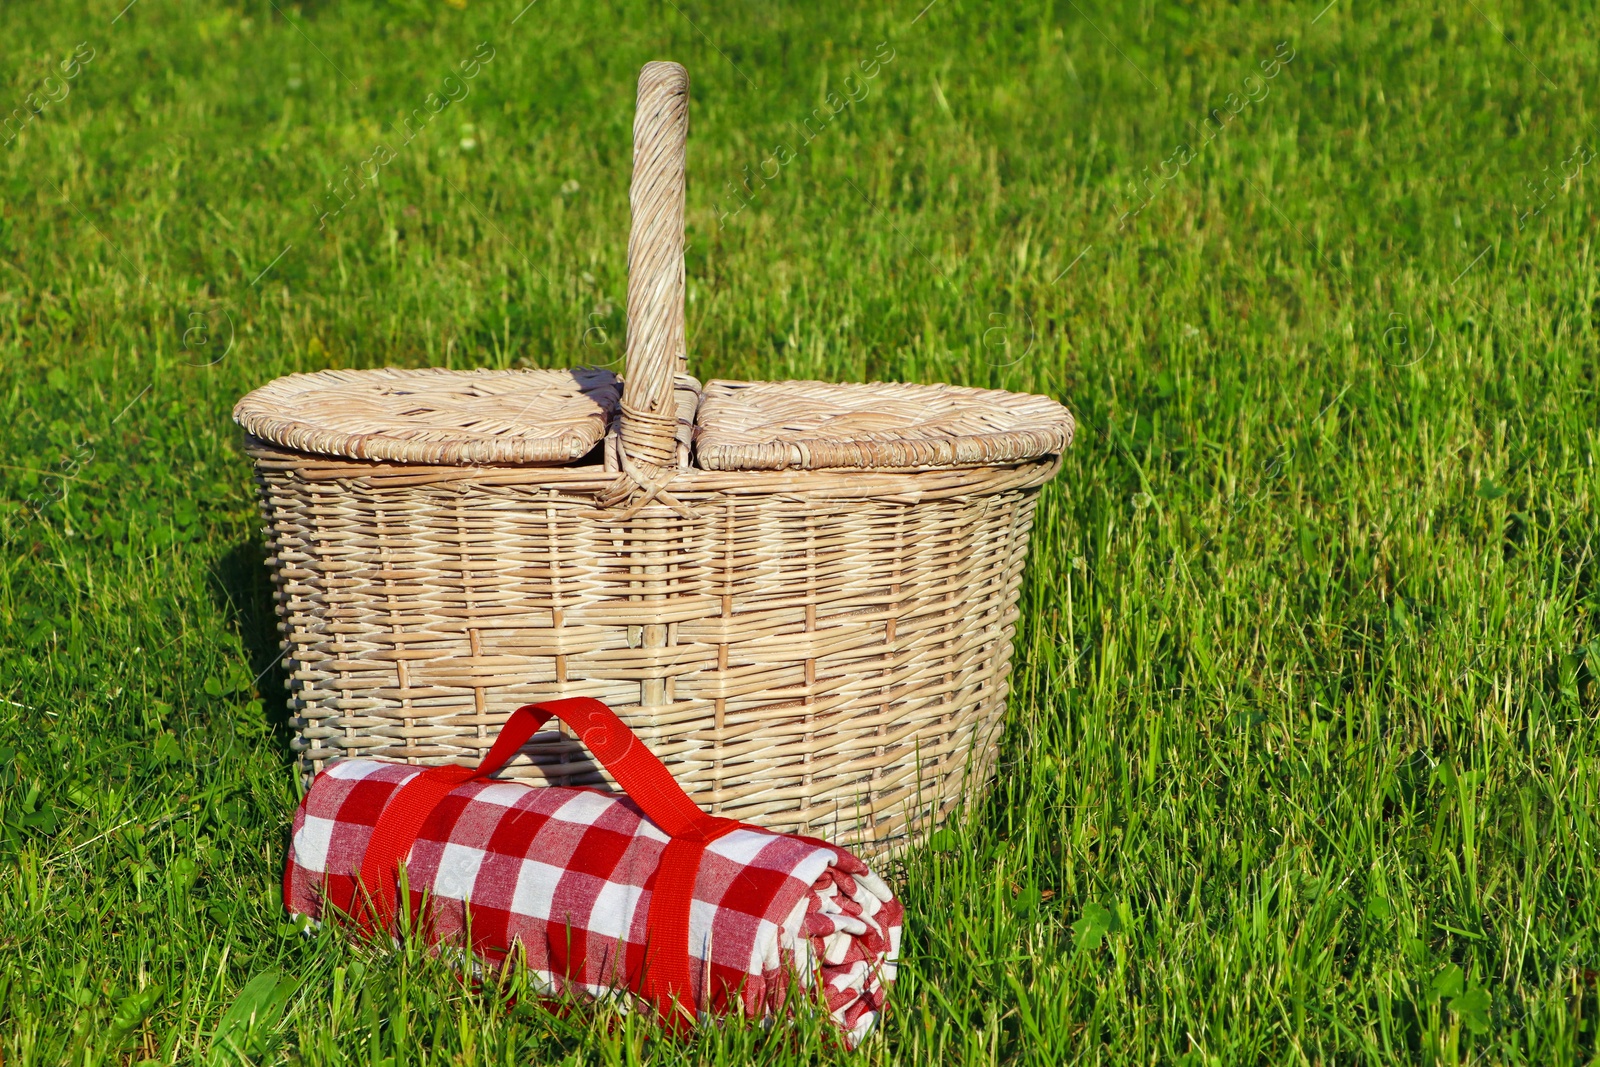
x: 800, y: 595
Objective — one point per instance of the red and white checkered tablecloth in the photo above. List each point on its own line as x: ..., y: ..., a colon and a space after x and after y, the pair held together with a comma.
x: 568, y: 875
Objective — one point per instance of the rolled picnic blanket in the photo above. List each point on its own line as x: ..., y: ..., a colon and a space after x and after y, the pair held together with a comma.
x: 597, y: 893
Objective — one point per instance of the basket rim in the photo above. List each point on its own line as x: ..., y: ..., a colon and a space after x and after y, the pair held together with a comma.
x: 905, y: 485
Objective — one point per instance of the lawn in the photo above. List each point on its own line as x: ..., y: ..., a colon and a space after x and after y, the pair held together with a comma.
x: 1302, y: 763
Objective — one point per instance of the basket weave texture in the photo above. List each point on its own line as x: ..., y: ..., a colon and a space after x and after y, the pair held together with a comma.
x: 801, y: 596
x: 810, y: 425
x: 436, y: 416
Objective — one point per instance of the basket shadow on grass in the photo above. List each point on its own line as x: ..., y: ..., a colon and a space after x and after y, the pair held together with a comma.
x: 241, y: 590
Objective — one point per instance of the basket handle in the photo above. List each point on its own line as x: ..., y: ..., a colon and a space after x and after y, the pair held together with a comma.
x: 655, y: 268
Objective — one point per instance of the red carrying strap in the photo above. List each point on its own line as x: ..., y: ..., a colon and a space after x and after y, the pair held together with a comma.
x: 392, y: 838
x: 640, y: 774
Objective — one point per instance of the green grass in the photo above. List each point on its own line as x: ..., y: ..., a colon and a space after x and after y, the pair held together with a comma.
x: 1302, y: 765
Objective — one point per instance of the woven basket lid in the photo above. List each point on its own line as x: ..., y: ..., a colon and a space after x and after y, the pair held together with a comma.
x: 810, y: 425
x: 436, y: 416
